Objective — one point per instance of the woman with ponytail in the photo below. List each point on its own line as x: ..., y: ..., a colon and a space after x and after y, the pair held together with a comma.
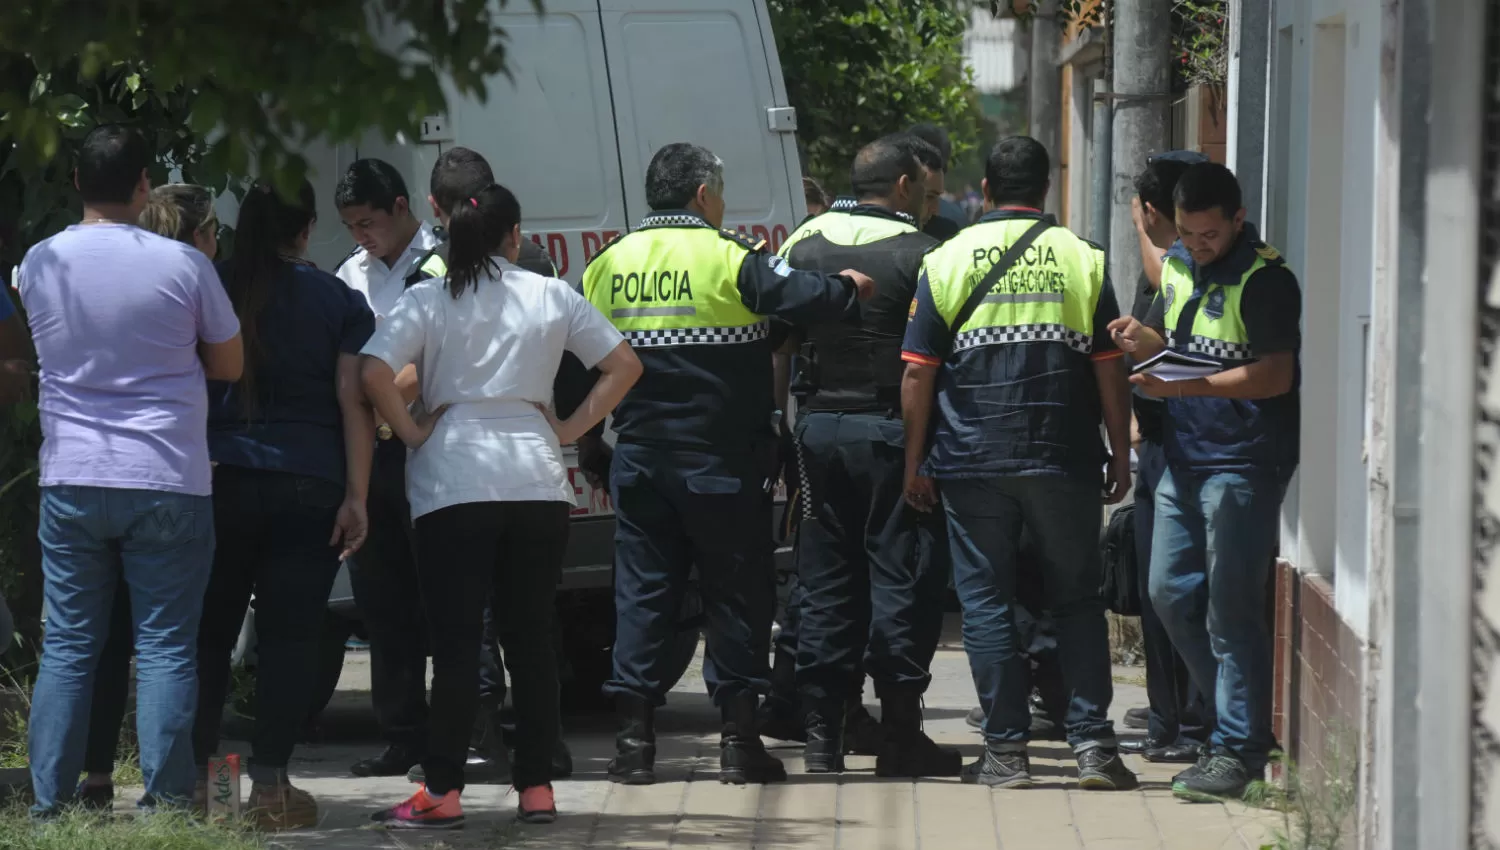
x: 488, y: 487
x: 292, y: 442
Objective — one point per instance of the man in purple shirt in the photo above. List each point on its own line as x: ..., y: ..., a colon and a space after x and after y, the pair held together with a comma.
x: 127, y: 326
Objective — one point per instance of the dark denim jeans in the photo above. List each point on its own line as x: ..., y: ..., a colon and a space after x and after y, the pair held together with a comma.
x: 1180, y: 714
x: 1211, y: 556
x: 161, y: 545
x: 274, y: 529
x: 1062, y: 514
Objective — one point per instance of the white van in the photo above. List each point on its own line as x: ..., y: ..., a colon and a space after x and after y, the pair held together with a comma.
x: 596, y: 88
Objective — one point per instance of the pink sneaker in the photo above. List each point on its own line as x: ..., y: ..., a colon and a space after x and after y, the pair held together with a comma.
x: 538, y: 805
x: 424, y: 811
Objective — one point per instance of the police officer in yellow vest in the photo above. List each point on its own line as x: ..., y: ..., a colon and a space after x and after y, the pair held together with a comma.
x: 694, y: 459
x: 1010, y: 336
x: 873, y: 570
x: 1231, y: 443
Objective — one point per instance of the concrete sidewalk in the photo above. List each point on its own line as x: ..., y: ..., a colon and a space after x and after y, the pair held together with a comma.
x: 689, y: 808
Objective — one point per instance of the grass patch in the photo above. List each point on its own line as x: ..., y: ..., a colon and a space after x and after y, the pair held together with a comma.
x: 15, y: 747
x: 84, y: 831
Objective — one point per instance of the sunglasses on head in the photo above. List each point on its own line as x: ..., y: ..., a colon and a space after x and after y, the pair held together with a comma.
x: 1188, y: 157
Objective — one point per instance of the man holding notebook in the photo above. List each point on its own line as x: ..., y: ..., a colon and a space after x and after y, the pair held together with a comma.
x: 1231, y: 442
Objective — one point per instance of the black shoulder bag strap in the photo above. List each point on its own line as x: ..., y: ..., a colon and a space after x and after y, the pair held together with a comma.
x: 997, y: 271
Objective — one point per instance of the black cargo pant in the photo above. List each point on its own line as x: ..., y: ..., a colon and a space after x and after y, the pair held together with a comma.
x: 873, y: 570
x: 384, y: 577
x: 674, y: 508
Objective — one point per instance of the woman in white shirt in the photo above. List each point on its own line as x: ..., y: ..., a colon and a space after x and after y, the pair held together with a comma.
x: 488, y: 487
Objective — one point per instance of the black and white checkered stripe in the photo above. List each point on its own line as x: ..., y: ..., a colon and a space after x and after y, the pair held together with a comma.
x: 1024, y: 333
x: 803, y: 483
x: 667, y: 337
x: 1215, y: 348
x: 674, y: 221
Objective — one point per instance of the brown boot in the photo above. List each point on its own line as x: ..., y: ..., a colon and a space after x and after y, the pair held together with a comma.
x: 280, y: 806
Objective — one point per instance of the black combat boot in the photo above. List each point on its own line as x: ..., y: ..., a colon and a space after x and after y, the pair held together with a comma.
x: 635, y: 743
x: 907, y: 751
x: 824, y: 752
x: 780, y: 717
x: 742, y: 757
x: 862, y: 733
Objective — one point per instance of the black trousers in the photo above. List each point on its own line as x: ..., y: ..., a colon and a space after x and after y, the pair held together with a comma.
x: 111, y: 688
x: 675, y: 508
x: 873, y: 570
x: 1179, y: 711
x: 465, y: 553
x: 384, y: 578
x: 272, y: 530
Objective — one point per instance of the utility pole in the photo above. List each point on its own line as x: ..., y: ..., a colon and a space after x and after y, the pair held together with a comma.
x: 1142, y: 43
x: 1044, y: 82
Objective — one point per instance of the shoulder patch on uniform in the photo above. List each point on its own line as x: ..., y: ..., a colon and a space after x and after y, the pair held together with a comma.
x: 605, y: 247
x: 1267, y: 252
x: 347, y: 257
x: 750, y: 243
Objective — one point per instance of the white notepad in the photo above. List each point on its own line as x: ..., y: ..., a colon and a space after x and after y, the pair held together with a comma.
x: 1172, y: 366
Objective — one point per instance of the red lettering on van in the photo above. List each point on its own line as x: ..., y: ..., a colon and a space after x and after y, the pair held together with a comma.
x: 557, y: 246
x: 778, y: 237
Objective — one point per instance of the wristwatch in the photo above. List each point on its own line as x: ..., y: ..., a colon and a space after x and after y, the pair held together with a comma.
x: 383, y: 431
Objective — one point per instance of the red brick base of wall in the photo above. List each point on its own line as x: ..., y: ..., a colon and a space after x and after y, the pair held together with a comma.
x: 1319, y: 668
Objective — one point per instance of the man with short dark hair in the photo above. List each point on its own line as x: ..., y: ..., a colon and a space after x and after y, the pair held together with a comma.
x: 128, y: 326
x: 944, y: 217
x: 375, y: 206
x: 1009, y: 334
x: 1231, y: 445
x: 873, y: 569
x: 1179, y: 719
x: 694, y: 457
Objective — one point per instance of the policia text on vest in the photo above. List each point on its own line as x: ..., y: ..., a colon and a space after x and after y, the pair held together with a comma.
x: 694, y: 435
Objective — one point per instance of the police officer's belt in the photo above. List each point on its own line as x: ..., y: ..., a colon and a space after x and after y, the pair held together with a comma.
x: 997, y: 271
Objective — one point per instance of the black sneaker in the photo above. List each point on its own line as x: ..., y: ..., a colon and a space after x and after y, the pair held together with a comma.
x: 394, y: 761
x: 95, y: 798
x: 1100, y: 769
x: 999, y: 770
x: 1197, y: 768
x: 1224, y: 777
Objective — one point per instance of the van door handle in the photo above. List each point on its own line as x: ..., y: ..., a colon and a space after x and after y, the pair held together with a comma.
x: 782, y: 119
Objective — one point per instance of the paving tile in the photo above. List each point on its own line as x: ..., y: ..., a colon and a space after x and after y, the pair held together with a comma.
x: 950, y: 815
x: 1034, y: 819
x: 1105, y: 818
x: 876, y: 813
x: 715, y: 815
x: 798, y: 814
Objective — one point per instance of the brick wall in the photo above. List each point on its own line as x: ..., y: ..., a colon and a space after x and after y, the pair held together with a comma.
x: 1319, y: 663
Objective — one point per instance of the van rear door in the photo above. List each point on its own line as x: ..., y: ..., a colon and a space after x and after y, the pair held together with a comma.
x: 701, y: 71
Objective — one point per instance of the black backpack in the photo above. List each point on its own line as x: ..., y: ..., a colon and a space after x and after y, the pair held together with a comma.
x: 1121, y: 588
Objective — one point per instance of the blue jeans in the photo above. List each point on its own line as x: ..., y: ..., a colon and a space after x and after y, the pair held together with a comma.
x: 1181, y: 712
x: 161, y: 545
x: 985, y: 518
x: 1211, y: 556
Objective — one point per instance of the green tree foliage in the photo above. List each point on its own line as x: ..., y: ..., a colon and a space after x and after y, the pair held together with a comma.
x: 858, y: 69
x: 223, y: 89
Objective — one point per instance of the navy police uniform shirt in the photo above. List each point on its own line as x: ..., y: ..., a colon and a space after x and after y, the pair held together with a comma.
x: 295, y: 424
x: 1014, y: 409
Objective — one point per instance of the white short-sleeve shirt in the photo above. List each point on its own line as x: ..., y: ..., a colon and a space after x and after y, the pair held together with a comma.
x: 380, y: 284
x: 489, y: 355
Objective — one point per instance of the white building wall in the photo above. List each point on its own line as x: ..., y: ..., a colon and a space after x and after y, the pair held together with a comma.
x: 992, y: 47
x: 1322, y: 175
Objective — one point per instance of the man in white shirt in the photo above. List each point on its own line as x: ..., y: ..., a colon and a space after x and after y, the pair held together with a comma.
x: 375, y: 206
